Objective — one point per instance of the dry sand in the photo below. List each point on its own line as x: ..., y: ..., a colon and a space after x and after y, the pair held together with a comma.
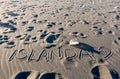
x: 60, y: 39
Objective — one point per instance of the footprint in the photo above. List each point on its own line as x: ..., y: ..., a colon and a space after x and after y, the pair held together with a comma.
x: 39, y: 30
x: 21, y: 37
x: 7, y: 31
x: 39, y: 22
x: 49, y: 26
x: 36, y: 75
x: 117, y: 26
x: 24, y: 23
x: 10, y: 44
x: 30, y: 28
x: 70, y: 23
x: 117, y: 9
x: 21, y: 75
x: 52, y: 37
x: 18, y: 36
x: 117, y: 17
x: 96, y: 28
x: 42, y: 36
x: 5, y: 38
x: 12, y: 22
x: 1, y: 42
x: 115, y: 74
x: 51, y: 40
x: 61, y: 29
x: 73, y: 33
x: 34, y: 39
x: 27, y: 75
x: 82, y: 35
x: 116, y: 42
x: 52, y: 75
x: 27, y: 39
x: 1, y: 37
x: 85, y: 22
x: 101, y: 72
x: 69, y: 63
x: 35, y: 15
x: 98, y: 33
x: 110, y: 32
x: 34, y: 21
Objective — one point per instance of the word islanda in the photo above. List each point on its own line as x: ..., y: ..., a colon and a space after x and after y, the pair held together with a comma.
x: 50, y: 55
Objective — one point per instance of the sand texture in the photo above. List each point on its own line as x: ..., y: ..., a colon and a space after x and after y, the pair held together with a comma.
x: 60, y: 39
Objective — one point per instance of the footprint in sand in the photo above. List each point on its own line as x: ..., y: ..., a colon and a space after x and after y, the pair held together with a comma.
x: 21, y: 37
x: 52, y: 75
x: 18, y: 36
x: 39, y: 30
x: 12, y: 22
x: 1, y: 37
x: 82, y: 35
x: 69, y: 63
x: 42, y: 36
x: 30, y: 28
x: 115, y: 74
x: 24, y: 23
x: 102, y: 72
x: 34, y: 39
x: 36, y: 75
x: 97, y: 30
x: 4, y: 39
x: 35, y: 15
x: 116, y: 42
x: 7, y: 31
x: 26, y: 75
x: 74, y: 34
x: 117, y: 17
x: 117, y: 26
x: 27, y: 39
x: 60, y: 29
x: 10, y: 44
x: 50, y: 40
x: 110, y: 32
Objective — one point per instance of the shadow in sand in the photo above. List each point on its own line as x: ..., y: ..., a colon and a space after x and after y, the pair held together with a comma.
x: 12, y: 13
x: 7, y: 25
x: 114, y: 74
x: 48, y: 76
x: 86, y: 47
x: 22, y: 75
x: 95, y: 72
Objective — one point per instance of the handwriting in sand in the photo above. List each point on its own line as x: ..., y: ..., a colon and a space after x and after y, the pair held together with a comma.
x: 60, y: 54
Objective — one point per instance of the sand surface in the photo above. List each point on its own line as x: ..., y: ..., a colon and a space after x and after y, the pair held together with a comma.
x: 60, y: 39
